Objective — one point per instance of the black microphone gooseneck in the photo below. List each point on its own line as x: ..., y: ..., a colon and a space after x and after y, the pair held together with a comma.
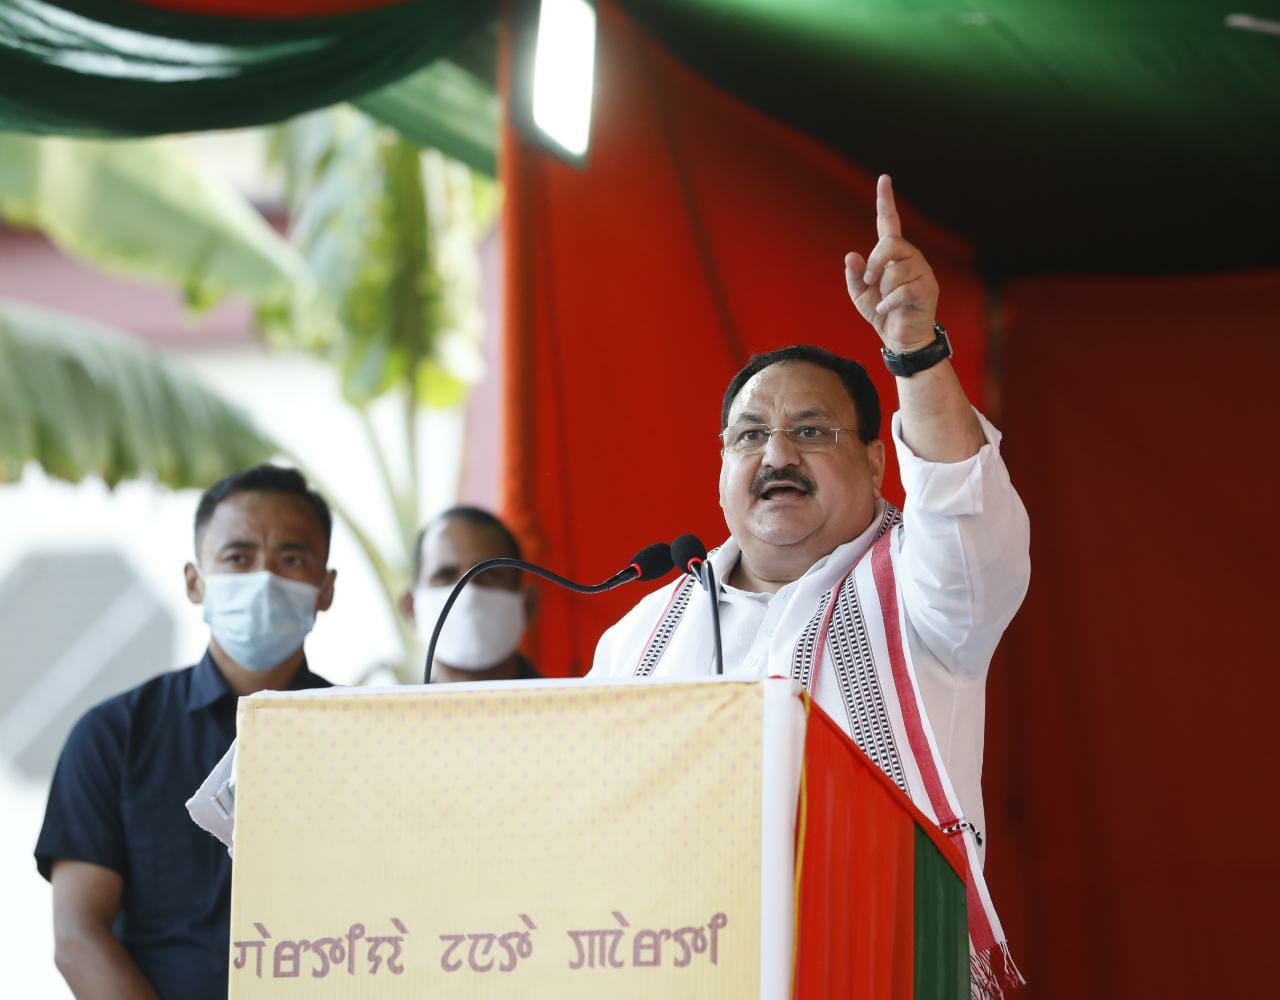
x: 649, y: 563
x: 690, y: 556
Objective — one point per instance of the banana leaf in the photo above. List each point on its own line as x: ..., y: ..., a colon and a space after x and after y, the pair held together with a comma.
x: 148, y: 209
x: 362, y: 220
x: 83, y: 400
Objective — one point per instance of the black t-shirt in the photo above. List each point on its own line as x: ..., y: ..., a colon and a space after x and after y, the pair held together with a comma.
x: 119, y: 800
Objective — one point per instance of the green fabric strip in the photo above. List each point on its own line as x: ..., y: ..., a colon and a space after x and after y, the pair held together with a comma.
x: 234, y: 30
x: 67, y: 74
x: 442, y: 107
x: 942, y: 927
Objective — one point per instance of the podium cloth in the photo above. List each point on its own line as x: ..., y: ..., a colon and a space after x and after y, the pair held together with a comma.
x: 579, y: 839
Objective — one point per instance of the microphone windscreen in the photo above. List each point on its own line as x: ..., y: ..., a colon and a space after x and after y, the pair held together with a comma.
x: 653, y: 561
x: 685, y: 549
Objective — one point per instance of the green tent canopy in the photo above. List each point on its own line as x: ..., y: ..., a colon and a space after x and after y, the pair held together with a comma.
x: 1081, y: 135
x: 1069, y: 135
x: 92, y: 68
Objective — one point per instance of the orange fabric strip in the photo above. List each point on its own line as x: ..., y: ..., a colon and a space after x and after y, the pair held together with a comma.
x: 855, y: 928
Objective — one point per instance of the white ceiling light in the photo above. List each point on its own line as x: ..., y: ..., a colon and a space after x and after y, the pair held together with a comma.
x: 563, y: 73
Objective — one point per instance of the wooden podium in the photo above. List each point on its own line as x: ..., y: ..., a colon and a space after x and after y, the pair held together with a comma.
x: 579, y: 839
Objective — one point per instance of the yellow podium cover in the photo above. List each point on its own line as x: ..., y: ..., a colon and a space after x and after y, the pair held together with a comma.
x: 554, y: 839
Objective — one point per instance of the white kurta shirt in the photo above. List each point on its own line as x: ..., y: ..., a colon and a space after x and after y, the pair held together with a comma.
x: 963, y: 572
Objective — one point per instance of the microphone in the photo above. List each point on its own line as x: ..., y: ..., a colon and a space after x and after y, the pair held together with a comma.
x: 650, y: 563
x: 690, y: 556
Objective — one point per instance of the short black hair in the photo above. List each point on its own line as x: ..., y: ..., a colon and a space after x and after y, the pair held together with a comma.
x: 866, y: 401
x: 468, y: 515
x: 262, y: 479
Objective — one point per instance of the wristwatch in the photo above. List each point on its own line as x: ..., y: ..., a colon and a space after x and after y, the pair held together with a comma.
x: 907, y: 363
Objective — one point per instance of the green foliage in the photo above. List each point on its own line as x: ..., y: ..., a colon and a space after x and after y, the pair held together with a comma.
x: 147, y: 209
x: 83, y: 400
x: 361, y: 222
x: 379, y: 276
x: 443, y: 106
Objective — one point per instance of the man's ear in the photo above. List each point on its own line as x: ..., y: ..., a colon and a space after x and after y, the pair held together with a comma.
x: 406, y: 607
x: 325, y: 600
x: 875, y: 458
x: 195, y: 583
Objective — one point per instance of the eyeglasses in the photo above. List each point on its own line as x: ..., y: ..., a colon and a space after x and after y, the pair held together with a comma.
x: 752, y: 439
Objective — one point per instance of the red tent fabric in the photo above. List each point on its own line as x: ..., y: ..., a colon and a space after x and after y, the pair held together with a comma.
x: 698, y: 233
x: 1129, y: 738
x: 1130, y: 742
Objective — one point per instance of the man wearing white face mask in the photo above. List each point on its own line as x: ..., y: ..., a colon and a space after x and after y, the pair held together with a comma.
x: 141, y: 895
x: 487, y: 622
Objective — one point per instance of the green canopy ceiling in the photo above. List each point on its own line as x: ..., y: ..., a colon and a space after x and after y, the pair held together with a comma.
x: 1084, y: 135
x: 1090, y: 135
x: 130, y: 67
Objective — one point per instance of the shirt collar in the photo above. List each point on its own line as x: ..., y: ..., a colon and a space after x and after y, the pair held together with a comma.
x: 208, y: 686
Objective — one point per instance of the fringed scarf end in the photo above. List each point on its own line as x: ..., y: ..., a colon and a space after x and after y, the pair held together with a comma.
x: 993, y: 973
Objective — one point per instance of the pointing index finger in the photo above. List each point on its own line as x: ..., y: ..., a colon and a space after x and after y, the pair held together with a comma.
x: 887, y: 221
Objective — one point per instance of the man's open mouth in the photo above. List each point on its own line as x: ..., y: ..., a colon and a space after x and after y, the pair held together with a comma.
x: 783, y: 490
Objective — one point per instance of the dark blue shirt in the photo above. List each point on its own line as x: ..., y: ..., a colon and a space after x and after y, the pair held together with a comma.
x: 526, y: 670
x: 119, y: 800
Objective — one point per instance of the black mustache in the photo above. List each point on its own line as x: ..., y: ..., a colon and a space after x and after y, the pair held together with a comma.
x: 766, y: 476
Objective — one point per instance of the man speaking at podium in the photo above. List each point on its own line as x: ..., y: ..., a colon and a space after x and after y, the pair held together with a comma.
x: 878, y: 612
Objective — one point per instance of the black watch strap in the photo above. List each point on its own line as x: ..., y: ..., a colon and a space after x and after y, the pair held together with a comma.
x: 908, y: 363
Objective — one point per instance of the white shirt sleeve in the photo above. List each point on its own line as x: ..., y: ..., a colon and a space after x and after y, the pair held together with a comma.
x: 965, y: 552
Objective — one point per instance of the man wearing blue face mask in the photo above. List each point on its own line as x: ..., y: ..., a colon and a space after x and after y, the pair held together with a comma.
x: 141, y: 895
x: 482, y: 634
